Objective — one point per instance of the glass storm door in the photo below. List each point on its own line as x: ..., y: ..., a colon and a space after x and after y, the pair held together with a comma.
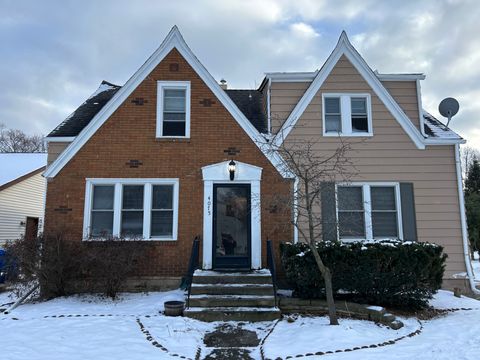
x: 231, y: 226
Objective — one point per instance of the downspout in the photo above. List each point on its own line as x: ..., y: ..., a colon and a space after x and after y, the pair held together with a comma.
x: 421, y: 120
x: 463, y: 220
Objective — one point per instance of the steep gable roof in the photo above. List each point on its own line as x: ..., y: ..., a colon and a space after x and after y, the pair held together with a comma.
x: 344, y: 47
x: 82, y: 116
x: 173, y: 40
x: 251, y: 104
x: 248, y: 101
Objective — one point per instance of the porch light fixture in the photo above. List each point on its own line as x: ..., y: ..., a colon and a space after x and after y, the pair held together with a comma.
x: 231, y: 169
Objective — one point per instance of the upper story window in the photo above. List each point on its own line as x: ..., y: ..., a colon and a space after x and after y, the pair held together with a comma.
x: 131, y: 208
x: 369, y: 211
x: 347, y: 115
x: 173, y: 109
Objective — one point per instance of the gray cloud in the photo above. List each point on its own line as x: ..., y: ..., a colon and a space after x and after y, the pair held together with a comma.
x: 54, y: 54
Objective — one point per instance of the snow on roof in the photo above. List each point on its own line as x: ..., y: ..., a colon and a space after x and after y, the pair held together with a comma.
x: 434, y: 128
x: 15, y: 165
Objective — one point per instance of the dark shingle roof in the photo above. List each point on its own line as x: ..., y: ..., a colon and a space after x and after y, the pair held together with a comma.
x: 436, y: 129
x: 81, y: 117
x: 248, y: 101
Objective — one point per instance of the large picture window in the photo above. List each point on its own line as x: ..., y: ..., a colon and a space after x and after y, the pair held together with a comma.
x: 369, y: 211
x: 141, y: 209
x: 173, y: 109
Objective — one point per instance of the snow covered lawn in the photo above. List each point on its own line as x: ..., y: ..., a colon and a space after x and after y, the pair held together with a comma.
x: 44, y: 331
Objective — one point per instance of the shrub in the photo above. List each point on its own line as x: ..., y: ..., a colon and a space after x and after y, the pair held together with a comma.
x: 110, y: 262
x: 387, y: 273
x: 63, y: 266
x: 52, y: 262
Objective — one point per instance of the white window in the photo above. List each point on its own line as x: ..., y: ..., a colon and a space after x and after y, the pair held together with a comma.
x: 369, y: 211
x: 173, y: 109
x: 145, y: 209
x: 347, y: 115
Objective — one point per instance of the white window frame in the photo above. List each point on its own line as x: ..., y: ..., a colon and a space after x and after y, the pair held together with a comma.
x: 176, y: 85
x: 346, y: 114
x: 367, y: 206
x: 117, y: 205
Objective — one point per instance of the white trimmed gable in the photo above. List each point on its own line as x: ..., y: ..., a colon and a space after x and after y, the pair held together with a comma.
x: 345, y: 48
x: 175, y: 40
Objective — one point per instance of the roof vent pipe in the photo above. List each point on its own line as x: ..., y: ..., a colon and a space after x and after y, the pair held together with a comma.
x: 223, y: 84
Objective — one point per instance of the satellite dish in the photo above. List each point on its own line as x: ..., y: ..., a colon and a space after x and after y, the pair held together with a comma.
x: 448, y: 108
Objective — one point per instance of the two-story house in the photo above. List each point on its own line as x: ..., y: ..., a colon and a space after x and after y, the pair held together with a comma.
x: 172, y: 154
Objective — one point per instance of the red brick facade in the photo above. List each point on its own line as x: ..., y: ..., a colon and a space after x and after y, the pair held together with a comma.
x: 126, y: 147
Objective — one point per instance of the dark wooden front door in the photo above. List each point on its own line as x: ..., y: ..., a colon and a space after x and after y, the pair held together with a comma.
x: 231, y: 226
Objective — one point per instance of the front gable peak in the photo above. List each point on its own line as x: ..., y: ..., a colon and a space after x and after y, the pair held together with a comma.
x: 346, y: 49
x: 174, y: 39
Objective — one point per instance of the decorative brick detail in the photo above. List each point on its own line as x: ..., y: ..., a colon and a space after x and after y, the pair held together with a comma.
x: 139, y: 101
x: 174, y: 67
x: 232, y: 151
x: 207, y: 102
x: 62, y: 209
x: 134, y: 163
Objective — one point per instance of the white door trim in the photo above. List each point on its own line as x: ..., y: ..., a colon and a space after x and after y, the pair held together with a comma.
x: 244, y: 174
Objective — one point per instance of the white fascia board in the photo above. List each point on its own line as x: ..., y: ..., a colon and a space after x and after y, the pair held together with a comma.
x: 421, y: 119
x: 400, y: 77
x: 59, y: 139
x: 174, y: 39
x: 291, y: 77
x: 444, y: 141
x: 345, y: 48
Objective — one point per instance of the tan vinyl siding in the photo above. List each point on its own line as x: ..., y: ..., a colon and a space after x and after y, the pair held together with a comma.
x: 405, y: 94
x: 54, y: 150
x: 391, y: 156
x: 18, y: 201
x: 284, y: 96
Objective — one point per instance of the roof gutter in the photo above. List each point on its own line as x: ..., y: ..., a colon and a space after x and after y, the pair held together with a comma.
x: 444, y: 141
x: 466, y: 249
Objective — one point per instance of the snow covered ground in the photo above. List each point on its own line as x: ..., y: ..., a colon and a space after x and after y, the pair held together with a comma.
x: 44, y: 331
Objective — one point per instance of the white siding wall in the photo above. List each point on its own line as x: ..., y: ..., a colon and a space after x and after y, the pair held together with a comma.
x: 18, y: 201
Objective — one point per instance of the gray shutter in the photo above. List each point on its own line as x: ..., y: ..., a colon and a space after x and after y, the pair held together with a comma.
x: 409, y: 220
x: 329, y: 211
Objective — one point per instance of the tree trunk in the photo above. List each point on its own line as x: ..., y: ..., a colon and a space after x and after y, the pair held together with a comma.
x: 327, y: 277
x: 325, y: 271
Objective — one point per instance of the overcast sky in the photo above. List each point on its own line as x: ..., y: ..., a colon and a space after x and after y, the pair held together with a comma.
x: 54, y: 54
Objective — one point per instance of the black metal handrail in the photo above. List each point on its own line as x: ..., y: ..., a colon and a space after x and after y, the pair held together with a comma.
x: 272, y: 268
x: 192, y: 265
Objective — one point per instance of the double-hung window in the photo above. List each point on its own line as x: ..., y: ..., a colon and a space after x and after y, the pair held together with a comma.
x: 347, y: 115
x: 173, y: 109
x: 131, y: 208
x: 101, y: 218
x: 369, y: 211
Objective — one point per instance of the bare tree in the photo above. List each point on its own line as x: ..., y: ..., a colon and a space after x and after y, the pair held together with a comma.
x: 468, y: 154
x: 313, y: 170
x: 14, y: 140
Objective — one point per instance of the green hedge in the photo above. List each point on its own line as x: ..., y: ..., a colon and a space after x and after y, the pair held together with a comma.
x: 388, y: 273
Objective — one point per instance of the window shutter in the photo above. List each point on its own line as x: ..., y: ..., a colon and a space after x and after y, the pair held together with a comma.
x: 409, y: 220
x: 329, y: 211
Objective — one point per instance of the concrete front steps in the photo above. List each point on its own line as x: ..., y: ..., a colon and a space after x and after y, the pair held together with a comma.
x: 232, y: 296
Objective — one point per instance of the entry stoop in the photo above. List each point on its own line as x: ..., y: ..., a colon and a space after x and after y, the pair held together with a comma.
x: 232, y: 296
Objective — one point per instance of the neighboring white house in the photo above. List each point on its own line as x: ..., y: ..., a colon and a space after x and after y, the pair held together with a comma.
x: 22, y: 194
